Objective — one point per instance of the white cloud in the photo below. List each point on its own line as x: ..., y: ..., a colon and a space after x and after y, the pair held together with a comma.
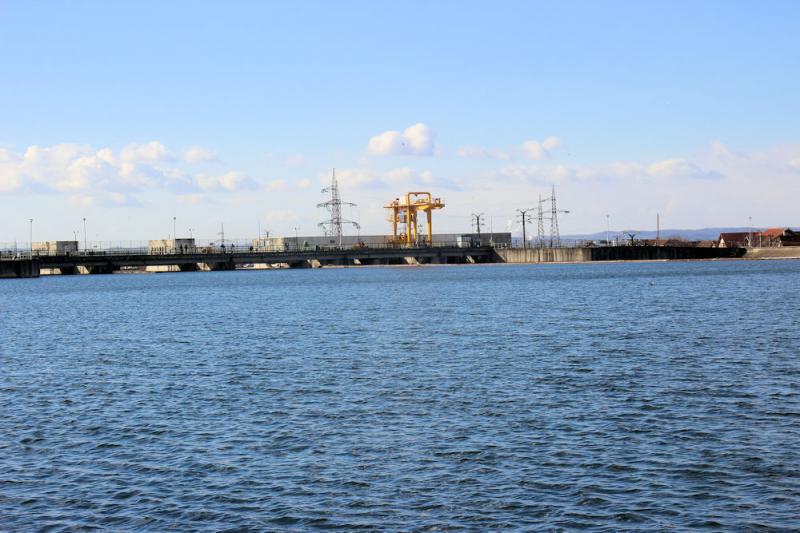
x: 679, y: 168
x: 303, y: 183
x: 229, y: 182
x: 150, y: 152
x: 350, y: 177
x: 414, y: 140
x: 276, y: 185
x: 540, y: 150
x: 101, y: 176
x: 533, y: 149
x: 102, y: 199
x: 198, y: 154
x: 398, y: 175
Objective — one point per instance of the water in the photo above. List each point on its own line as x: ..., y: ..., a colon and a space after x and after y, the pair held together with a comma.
x: 605, y: 396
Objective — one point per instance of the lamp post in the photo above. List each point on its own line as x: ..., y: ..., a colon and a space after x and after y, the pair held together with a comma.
x: 85, y: 247
x: 30, y: 234
x: 608, y: 230
x: 750, y: 232
x: 296, y: 239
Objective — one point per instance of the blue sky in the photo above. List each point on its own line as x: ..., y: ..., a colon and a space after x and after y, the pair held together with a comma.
x: 689, y: 109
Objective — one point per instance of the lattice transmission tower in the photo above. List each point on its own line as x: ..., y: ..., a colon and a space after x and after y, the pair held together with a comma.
x: 333, y: 226
x: 555, y: 237
x: 540, y: 222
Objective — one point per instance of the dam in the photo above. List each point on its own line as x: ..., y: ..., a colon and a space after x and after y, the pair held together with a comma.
x: 110, y: 261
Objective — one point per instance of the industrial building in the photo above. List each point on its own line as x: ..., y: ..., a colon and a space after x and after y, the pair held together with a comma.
x: 171, y: 246
x: 302, y: 242
x: 55, y: 247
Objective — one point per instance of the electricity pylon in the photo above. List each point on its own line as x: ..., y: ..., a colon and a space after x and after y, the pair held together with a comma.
x: 333, y: 226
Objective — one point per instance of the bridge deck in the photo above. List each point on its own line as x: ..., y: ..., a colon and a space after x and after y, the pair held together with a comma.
x: 104, y: 262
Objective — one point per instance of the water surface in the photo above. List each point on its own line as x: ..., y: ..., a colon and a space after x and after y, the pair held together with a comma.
x: 606, y: 396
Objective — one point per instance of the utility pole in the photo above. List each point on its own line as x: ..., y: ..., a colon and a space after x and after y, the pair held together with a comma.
x: 658, y: 229
x: 750, y: 232
x: 523, y: 214
x: 476, y: 218
x: 608, y: 230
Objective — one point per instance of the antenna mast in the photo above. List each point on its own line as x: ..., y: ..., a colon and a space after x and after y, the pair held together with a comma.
x: 333, y: 226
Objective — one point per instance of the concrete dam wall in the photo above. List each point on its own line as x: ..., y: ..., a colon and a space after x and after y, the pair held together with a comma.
x: 543, y: 255
x: 613, y: 253
x: 781, y: 252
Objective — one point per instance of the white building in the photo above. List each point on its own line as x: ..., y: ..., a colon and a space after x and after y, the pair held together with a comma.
x: 171, y: 246
x: 55, y: 247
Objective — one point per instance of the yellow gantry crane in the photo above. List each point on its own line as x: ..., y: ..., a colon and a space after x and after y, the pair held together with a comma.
x: 404, y: 212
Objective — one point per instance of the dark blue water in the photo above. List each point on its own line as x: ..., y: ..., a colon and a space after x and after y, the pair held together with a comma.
x: 618, y: 396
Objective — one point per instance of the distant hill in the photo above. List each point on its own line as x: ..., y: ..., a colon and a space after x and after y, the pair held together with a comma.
x: 704, y: 234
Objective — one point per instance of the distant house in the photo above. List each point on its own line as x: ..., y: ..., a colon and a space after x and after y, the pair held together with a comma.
x: 770, y: 237
x: 790, y: 238
x: 733, y: 240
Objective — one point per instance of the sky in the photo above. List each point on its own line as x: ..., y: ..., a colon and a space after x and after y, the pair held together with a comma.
x: 140, y: 116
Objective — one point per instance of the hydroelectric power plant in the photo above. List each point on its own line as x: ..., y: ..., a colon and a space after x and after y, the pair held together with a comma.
x: 407, y: 244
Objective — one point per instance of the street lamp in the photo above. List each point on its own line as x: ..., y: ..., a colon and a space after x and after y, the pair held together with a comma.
x: 30, y: 234
x: 296, y: 239
x: 84, y: 235
x: 608, y: 230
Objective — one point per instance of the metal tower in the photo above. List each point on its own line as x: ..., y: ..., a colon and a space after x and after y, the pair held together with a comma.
x: 540, y: 220
x: 555, y: 237
x: 333, y: 226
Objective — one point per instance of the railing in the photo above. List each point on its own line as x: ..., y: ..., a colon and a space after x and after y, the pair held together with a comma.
x: 214, y: 249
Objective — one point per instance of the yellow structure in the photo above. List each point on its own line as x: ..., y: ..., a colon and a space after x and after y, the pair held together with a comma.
x: 404, y: 213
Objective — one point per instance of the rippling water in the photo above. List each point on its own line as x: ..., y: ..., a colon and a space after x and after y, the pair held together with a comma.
x: 617, y: 396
